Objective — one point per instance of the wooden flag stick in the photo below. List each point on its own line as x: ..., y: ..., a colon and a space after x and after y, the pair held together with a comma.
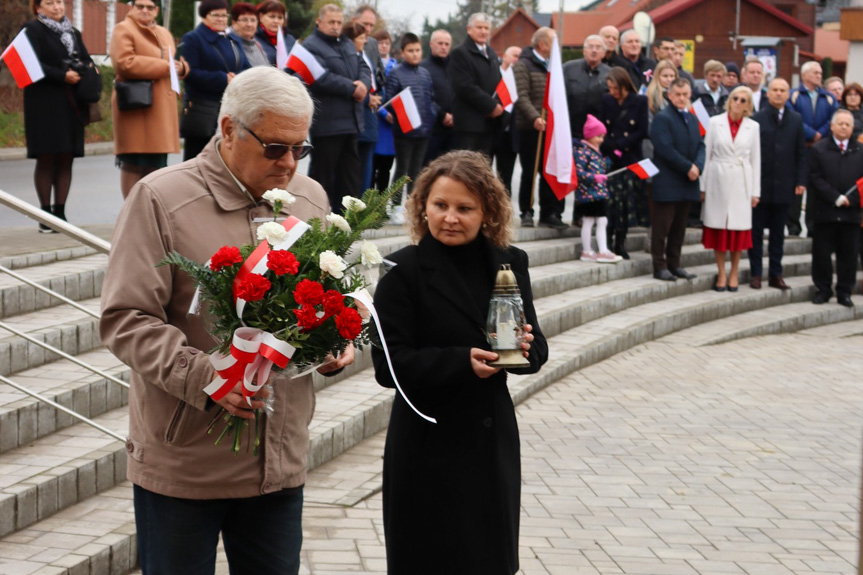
x: 536, y: 163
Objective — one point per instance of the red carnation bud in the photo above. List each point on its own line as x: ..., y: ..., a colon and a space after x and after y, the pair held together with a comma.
x: 309, y: 292
x: 349, y: 323
x: 253, y: 287
x: 226, y: 256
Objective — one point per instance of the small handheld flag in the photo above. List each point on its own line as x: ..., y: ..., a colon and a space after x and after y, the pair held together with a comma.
x: 406, y: 111
x: 22, y: 61
x: 506, y: 89
x: 304, y: 64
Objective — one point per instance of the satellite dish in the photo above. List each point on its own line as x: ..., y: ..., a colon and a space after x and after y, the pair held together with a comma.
x: 643, y: 24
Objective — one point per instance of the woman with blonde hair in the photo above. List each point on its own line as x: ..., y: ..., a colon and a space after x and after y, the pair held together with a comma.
x: 451, y: 489
x: 663, y: 75
x: 731, y: 184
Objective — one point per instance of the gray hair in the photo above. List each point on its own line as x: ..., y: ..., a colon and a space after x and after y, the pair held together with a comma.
x: 596, y: 38
x: 265, y: 89
x: 543, y: 33
x: 842, y: 111
x: 808, y: 66
x: 440, y: 32
x: 329, y: 8
x: 627, y: 34
x: 478, y: 17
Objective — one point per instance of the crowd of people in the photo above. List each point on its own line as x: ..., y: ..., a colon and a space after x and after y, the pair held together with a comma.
x: 246, y: 124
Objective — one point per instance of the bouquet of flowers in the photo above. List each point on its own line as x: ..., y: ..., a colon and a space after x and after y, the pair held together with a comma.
x: 288, y: 299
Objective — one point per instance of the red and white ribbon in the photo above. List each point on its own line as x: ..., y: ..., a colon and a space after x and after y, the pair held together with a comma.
x: 256, y: 263
x: 253, y: 353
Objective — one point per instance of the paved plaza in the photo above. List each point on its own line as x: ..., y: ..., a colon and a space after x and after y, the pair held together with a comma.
x: 741, y: 458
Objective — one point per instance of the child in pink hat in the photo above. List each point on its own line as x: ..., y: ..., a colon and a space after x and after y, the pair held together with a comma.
x: 591, y: 195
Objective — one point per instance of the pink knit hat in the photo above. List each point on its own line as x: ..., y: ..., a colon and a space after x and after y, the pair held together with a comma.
x: 593, y: 127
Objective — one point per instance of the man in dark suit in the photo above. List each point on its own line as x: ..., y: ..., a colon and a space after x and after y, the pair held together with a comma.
x: 639, y: 66
x: 752, y: 76
x: 475, y: 73
x: 679, y: 154
x: 338, y: 96
x: 442, y: 139
x: 835, y: 168
x: 783, y: 175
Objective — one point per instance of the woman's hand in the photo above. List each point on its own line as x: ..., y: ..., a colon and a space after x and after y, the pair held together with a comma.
x: 333, y: 363
x: 528, y: 337
x: 478, y: 362
x: 754, y: 202
x: 181, y: 68
x: 702, y: 196
x: 72, y: 77
x: 230, y: 76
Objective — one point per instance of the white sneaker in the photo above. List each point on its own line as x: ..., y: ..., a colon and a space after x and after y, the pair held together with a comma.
x: 608, y: 258
x: 397, y: 216
x: 588, y: 256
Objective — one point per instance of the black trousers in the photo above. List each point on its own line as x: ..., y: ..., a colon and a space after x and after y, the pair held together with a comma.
x: 505, y: 156
x: 840, y: 238
x: 410, y: 153
x: 476, y: 141
x: 772, y: 217
x: 439, y: 144
x: 793, y: 220
x: 336, y: 166
x: 192, y: 147
x: 548, y: 202
x: 381, y: 171
x: 668, y: 230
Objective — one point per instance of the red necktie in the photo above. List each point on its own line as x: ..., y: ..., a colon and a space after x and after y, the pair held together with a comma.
x: 841, y: 146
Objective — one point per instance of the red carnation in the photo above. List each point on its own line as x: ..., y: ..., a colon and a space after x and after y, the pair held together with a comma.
x: 253, y: 287
x: 334, y: 302
x: 226, y: 256
x: 349, y: 323
x: 309, y: 292
x: 307, y: 318
x: 282, y: 262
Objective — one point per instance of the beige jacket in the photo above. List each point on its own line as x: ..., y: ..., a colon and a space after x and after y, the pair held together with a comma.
x: 140, y: 53
x: 193, y: 208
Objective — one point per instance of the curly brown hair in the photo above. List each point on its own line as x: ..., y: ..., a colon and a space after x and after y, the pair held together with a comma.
x: 474, y: 171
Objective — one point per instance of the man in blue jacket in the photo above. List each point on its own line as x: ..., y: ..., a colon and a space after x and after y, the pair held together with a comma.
x: 816, y: 105
x: 338, y: 96
x: 679, y: 154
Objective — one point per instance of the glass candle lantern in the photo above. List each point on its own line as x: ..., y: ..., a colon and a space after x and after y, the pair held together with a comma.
x: 505, y: 325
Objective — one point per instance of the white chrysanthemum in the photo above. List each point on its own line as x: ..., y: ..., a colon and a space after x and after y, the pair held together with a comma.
x: 352, y: 203
x: 273, y: 232
x: 332, y: 264
x: 339, y: 222
x: 279, y: 195
x: 369, y: 254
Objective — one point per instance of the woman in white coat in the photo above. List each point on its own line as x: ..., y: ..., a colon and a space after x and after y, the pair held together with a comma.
x: 731, y: 184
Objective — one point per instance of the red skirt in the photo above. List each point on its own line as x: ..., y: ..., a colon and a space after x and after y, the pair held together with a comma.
x: 726, y: 240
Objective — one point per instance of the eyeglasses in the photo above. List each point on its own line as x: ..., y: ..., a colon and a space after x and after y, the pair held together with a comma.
x: 739, y: 99
x: 247, y: 20
x: 217, y: 16
x: 276, y: 151
x: 146, y: 7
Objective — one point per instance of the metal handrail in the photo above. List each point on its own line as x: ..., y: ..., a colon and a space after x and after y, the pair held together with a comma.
x: 55, y: 223
x: 56, y: 405
x: 49, y: 291
x: 63, y: 354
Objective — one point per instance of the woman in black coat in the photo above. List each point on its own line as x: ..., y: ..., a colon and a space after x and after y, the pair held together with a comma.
x: 452, y: 489
x: 53, y: 119
x: 625, y: 115
x: 214, y: 59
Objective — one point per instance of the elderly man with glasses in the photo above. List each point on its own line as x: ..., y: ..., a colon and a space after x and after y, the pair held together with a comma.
x: 187, y: 491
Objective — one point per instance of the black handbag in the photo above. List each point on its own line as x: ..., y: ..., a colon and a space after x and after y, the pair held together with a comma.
x: 89, y: 88
x: 199, y: 118
x: 134, y: 94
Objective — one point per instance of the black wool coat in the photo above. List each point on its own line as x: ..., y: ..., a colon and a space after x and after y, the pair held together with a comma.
x: 783, y: 154
x: 474, y: 79
x: 832, y: 173
x: 52, y: 117
x: 627, y: 126
x: 677, y: 145
x: 451, y: 489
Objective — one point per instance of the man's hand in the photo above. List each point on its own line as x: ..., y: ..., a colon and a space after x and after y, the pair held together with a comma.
x: 817, y: 137
x: 755, y: 201
x: 539, y: 124
x: 360, y: 91
x: 374, y: 101
x: 334, y: 363
x: 447, y: 120
x: 843, y: 202
x: 498, y: 110
x: 799, y: 190
x: 702, y: 197
x: 693, y: 173
x: 72, y: 77
x: 235, y: 404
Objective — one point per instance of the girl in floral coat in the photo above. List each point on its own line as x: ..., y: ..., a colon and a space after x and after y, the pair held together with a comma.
x: 591, y: 195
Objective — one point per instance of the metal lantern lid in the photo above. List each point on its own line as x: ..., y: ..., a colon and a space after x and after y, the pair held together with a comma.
x: 505, y: 283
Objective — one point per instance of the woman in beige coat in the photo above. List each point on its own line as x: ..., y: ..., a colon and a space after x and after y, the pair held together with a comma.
x: 731, y: 184
x: 143, y: 138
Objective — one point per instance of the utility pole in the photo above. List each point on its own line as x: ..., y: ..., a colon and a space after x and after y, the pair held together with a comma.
x: 560, y: 27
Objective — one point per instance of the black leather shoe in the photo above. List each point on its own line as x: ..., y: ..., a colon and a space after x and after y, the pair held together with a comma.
x: 665, y: 275
x: 682, y: 273
x: 844, y: 300
x: 552, y: 221
x: 822, y: 297
x: 527, y: 220
x: 718, y: 287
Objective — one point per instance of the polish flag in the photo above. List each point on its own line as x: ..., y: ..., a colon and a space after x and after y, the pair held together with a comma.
x: 281, y: 51
x: 22, y: 61
x: 700, y: 112
x: 643, y: 169
x: 559, y: 168
x: 304, y: 64
x: 506, y: 90
x: 406, y: 111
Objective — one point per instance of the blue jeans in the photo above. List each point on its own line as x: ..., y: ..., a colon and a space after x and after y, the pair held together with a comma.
x: 262, y: 535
